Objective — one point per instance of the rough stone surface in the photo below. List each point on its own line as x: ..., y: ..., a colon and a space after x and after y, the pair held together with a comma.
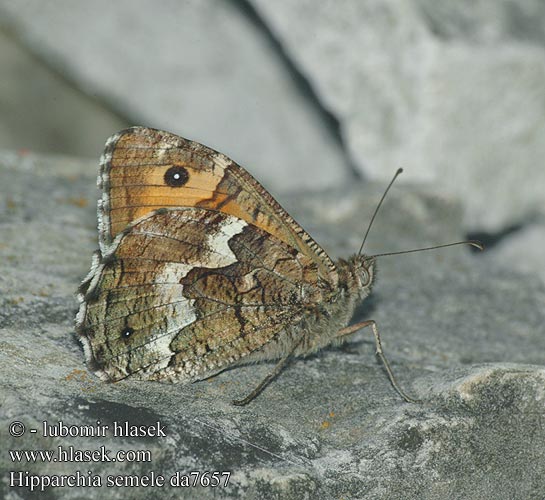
x: 200, y: 69
x: 522, y: 250
x: 463, y: 334
x: 453, y: 91
x: 41, y: 111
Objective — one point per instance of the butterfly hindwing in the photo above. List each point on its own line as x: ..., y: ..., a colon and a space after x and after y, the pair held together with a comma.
x: 182, y: 293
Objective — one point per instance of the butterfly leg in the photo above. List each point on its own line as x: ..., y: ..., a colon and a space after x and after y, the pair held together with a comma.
x: 277, y: 369
x: 380, y: 353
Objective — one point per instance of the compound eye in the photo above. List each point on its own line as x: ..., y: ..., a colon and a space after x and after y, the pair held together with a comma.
x: 365, y: 277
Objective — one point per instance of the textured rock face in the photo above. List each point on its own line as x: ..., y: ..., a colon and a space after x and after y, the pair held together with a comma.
x: 463, y: 335
x: 452, y: 92
x: 199, y: 69
x: 308, y: 96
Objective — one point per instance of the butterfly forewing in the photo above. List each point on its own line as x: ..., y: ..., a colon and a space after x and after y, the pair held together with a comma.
x: 144, y: 169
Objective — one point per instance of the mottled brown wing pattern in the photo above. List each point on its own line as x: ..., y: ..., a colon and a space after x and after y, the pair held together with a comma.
x: 183, y: 293
x: 143, y: 169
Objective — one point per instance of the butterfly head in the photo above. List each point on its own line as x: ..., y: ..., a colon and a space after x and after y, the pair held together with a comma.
x: 359, y: 274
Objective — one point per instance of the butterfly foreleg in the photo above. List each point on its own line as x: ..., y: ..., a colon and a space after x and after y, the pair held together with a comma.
x: 277, y: 369
x: 349, y: 330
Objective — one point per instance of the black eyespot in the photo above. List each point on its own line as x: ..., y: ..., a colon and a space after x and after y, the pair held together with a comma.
x: 176, y: 176
x: 127, y: 332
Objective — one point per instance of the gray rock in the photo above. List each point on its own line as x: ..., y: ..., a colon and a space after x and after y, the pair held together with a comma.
x: 522, y: 250
x: 41, y: 111
x: 200, y: 69
x: 463, y: 334
x: 451, y: 90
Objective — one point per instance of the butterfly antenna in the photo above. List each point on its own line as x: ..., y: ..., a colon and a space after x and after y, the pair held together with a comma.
x: 474, y: 243
x: 399, y: 170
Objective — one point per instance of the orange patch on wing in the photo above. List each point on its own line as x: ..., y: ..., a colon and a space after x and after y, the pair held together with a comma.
x: 137, y: 185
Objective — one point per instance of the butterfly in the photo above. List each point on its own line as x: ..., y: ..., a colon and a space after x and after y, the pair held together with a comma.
x: 199, y: 269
